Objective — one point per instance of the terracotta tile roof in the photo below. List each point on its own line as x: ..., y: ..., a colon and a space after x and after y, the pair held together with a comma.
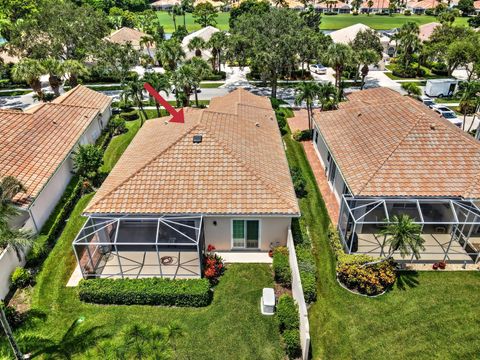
x: 377, y: 4
x: 423, y: 4
x: 84, y: 97
x: 426, y: 30
x: 239, y: 167
x: 386, y: 144
x: 36, y: 141
x: 125, y: 35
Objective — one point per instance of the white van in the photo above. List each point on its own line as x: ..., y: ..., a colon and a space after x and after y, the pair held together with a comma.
x: 441, y: 87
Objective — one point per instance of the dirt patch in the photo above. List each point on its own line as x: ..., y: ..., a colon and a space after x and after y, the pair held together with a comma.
x: 22, y: 300
x: 280, y: 290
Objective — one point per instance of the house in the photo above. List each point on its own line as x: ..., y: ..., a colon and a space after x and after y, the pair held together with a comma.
x: 347, y: 36
x: 385, y: 154
x: 221, y: 179
x: 205, y: 34
x: 378, y: 6
x: 339, y: 7
x: 37, y: 145
x: 164, y: 4
x: 135, y: 37
x: 36, y: 149
x: 426, y: 30
x: 419, y: 7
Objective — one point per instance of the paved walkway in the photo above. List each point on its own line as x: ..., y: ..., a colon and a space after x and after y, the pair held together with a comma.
x: 300, y: 122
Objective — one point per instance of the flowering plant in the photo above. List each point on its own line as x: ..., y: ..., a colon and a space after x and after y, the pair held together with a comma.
x: 213, y: 266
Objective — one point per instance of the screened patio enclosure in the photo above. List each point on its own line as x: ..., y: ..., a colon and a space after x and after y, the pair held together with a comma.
x: 135, y: 247
x: 450, y: 227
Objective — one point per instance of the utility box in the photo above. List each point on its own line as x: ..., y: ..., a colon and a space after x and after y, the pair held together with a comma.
x: 441, y: 87
x: 267, y: 302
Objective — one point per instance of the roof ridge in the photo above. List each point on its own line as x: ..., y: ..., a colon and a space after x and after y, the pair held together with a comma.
x: 390, y: 155
x: 67, y: 94
x: 248, y: 168
x: 142, y: 167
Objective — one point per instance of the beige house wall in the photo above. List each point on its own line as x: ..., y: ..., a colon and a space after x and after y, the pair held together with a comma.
x: 273, y: 231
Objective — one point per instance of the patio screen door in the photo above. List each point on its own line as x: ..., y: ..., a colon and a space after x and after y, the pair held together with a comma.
x: 246, y: 233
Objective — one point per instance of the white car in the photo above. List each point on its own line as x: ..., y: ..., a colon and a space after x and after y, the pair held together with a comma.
x: 318, y: 69
x: 427, y: 101
x: 448, y: 114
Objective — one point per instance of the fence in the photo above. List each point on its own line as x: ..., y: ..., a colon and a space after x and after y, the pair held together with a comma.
x: 297, y: 292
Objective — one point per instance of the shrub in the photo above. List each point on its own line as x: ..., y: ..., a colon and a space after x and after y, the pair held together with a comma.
x: 125, y: 106
x: 404, y: 72
x: 287, y: 313
x: 370, y: 280
x: 297, y: 232
x: 291, y: 339
x: 213, y: 266
x: 129, y: 116
x: 439, y: 68
x: 215, y: 76
x: 429, y: 12
x: 116, y: 126
x: 407, y: 12
x: 302, y: 135
x: 21, y: 277
x: 309, y: 285
x: 299, y: 183
x: 148, y: 291
x: 282, y: 122
x: 281, y: 267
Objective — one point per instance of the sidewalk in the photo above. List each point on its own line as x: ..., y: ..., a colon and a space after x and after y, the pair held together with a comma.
x: 300, y: 122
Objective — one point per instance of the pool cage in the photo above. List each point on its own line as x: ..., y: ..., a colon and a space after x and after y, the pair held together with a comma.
x: 450, y: 227
x: 134, y: 247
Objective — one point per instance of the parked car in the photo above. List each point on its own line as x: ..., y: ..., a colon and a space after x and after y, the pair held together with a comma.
x: 428, y: 101
x: 318, y: 69
x: 448, y: 114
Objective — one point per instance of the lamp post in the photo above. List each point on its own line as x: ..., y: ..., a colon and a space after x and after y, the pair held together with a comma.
x: 8, y: 332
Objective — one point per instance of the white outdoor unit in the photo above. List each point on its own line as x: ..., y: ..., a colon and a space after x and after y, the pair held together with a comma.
x: 267, y: 302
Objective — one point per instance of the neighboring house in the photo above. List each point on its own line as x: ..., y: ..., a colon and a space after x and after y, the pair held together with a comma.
x: 164, y: 4
x: 221, y: 178
x: 347, y: 36
x: 419, y: 7
x: 36, y: 149
x: 378, y: 6
x: 385, y: 154
x: 338, y: 7
x: 426, y: 30
x: 205, y: 34
x: 126, y: 35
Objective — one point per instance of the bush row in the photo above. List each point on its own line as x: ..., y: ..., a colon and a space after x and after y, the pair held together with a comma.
x: 129, y: 116
x: 148, y: 291
x: 308, y: 272
x: 281, y: 266
x: 352, y: 272
x: 289, y: 323
x: 302, y: 135
x: 55, y: 224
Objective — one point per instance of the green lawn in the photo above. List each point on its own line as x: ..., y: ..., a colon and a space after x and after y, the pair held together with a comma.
x: 230, y: 328
x: 427, y: 315
x: 329, y: 22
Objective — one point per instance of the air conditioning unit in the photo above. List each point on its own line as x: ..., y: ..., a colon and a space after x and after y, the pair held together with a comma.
x: 267, y: 302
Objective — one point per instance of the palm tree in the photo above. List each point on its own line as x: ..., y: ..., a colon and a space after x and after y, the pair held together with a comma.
x: 370, y: 5
x: 408, y: 42
x: 174, y: 11
x: 356, y: 4
x: 469, y: 100
x: 55, y: 72
x: 159, y: 82
x: 411, y: 89
x: 403, y: 234
x: 29, y: 71
x: 18, y: 240
x: 218, y: 42
x: 169, y: 53
x: 200, y: 71
x: 8, y: 332
x: 337, y: 57
x: 74, y: 69
x: 147, y: 41
x: 197, y: 44
x: 134, y: 90
x: 327, y: 96
x: 184, y: 81
x: 307, y: 91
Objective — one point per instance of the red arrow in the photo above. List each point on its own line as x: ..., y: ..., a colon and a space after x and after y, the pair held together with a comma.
x: 177, y: 116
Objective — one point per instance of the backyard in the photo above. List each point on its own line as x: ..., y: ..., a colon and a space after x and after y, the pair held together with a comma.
x: 426, y: 315
x: 329, y: 22
x: 232, y: 318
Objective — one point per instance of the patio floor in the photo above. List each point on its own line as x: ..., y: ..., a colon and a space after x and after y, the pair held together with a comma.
x: 435, y: 247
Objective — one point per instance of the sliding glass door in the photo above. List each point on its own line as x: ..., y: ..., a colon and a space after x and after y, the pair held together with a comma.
x: 245, y: 234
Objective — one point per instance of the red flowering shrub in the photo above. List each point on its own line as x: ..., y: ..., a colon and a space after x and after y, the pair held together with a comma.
x: 213, y: 266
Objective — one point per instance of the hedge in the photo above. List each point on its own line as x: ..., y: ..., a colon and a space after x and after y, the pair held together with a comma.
x: 291, y: 338
x: 148, y: 291
x: 281, y: 266
x: 129, y: 116
x: 287, y: 313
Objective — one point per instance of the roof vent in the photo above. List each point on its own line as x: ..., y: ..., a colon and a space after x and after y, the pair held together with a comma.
x: 359, y: 114
x: 55, y: 122
x: 197, y: 139
x: 432, y: 126
x: 257, y: 124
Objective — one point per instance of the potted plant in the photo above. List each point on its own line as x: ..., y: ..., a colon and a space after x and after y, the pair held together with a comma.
x: 435, y: 266
x: 442, y: 265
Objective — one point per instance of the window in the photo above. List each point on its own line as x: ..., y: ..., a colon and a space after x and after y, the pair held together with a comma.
x: 245, y: 233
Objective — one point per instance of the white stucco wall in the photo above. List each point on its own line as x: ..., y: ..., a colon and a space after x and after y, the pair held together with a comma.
x: 273, y: 230
x: 8, y: 263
